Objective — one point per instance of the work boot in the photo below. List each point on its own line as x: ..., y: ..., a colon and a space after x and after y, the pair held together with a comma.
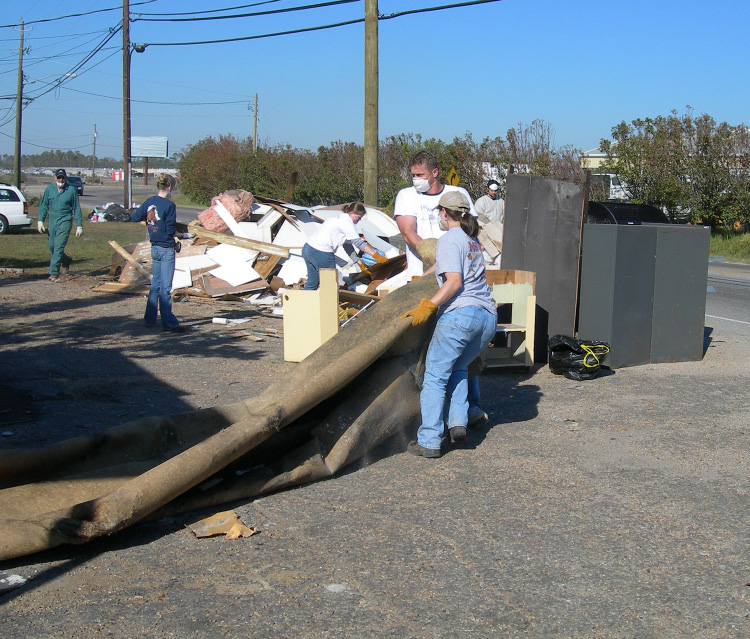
x: 420, y: 451
x: 175, y: 329
x: 457, y: 434
x: 477, y: 418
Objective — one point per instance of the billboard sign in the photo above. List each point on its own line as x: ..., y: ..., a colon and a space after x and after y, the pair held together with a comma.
x: 153, y: 147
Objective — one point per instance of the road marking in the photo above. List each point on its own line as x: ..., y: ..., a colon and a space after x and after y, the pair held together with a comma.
x: 730, y: 271
x: 727, y: 319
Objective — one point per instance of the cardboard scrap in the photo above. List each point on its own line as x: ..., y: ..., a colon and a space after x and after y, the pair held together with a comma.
x: 225, y: 523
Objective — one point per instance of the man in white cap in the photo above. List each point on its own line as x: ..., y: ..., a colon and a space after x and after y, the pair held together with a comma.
x: 415, y: 210
x: 491, y: 205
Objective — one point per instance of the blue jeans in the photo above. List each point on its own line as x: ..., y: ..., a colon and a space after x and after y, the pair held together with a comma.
x: 160, y: 293
x: 459, y: 336
x: 316, y: 260
x: 59, y: 230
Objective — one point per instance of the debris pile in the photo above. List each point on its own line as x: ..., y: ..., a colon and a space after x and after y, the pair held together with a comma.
x: 242, y: 245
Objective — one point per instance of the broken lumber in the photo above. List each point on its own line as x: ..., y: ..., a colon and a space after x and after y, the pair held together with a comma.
x: 130, y: 259
x: 242, y: 242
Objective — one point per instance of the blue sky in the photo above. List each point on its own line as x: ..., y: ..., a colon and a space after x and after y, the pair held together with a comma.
x: 582, y: 66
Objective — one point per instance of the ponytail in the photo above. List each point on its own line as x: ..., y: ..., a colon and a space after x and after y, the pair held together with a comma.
x: 469, y: 224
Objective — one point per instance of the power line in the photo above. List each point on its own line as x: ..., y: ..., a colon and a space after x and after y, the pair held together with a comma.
x: 257, y: 37
x: 186, y: 13
x: 72, y: 15
x: 77, y: 67
x: 111, y: 97
x: 320, y: 5
x: 322, y: 27
x: 445, y: 6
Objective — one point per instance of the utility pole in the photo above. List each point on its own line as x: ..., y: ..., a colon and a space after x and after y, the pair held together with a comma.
x: 19, y: 110
x: 126, y: 99
x: 255, y: 125
x: 93, y: 162
x: 371, y: 102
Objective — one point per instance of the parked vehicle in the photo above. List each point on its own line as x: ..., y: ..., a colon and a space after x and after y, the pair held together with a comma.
x: 76, y: 182
x: 14, y: 209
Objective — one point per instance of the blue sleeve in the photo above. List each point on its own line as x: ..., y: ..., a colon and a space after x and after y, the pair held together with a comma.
x: 170, y: 220
x: 140, y: 213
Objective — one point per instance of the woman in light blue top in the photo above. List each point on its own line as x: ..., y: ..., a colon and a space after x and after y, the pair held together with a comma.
x: 467, y: 320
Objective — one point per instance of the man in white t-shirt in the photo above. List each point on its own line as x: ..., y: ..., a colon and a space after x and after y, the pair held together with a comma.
x: 417, y: 216
x: 415, y: 209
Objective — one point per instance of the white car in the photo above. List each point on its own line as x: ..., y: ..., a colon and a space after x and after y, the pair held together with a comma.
x: 14, y: 209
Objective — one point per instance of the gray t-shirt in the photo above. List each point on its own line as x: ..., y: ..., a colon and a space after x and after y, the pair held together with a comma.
x: 459, y: 253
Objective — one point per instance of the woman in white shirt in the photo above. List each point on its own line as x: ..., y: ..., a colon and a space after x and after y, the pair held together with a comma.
x: 319, y: 250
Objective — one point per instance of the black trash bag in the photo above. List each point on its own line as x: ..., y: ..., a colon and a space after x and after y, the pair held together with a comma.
x: 116, y: 213
x: 574, y: 358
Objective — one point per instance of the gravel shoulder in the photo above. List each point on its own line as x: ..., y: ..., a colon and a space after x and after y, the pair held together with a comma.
x: 610, y: 508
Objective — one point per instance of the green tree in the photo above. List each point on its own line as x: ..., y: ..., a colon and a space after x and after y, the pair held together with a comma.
x: 685, y: 164
x: 212, y: 166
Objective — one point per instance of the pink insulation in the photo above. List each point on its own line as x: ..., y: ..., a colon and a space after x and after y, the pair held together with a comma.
x: 239, y: 204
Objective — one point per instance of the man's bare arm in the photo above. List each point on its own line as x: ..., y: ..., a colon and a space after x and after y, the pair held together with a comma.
x: 408, y: 227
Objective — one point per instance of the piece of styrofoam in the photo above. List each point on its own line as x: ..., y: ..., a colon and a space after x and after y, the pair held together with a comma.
x: 295, y: 237
x: 237, y: 274
x: 227, y: 218
x: 193, y: 262
x: 228, y: 255
x: 270, y: 218
x: 293, y: 270
x: 182, y: 278
x: 397, y: 281
x: 253, y: 231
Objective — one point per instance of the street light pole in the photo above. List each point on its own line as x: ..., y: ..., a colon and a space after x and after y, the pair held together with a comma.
x: 19, y: 110
x: 126, y: 100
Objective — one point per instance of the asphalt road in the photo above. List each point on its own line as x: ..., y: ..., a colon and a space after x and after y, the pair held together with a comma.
x: 100, y: 194
x: 728, y: 298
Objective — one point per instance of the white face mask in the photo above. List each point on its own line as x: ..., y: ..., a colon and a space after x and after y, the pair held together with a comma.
x: 421, y: 184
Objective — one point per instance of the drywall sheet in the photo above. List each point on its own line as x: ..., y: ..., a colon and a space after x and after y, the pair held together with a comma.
x: 542, y: 234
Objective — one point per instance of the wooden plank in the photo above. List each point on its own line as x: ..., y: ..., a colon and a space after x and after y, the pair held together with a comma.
x: 487, y: 244
x: 125, y: 289
x: 242, y: 242
x: 215, y: 287
x: 265, y: 267
x: 130, y: 259
x: 356, y: 298
x: 511, y: 328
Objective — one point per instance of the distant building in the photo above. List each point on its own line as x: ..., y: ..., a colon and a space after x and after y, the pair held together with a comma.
x: 593, y: 159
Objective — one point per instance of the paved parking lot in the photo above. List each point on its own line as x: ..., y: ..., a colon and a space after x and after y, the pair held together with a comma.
x: 610, y: 508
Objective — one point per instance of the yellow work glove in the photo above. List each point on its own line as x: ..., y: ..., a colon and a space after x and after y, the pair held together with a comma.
x: 421, y: 313
x: 40, y: 226
x: 79, y: 231
x: 363, y: 268
x: 380, y: 259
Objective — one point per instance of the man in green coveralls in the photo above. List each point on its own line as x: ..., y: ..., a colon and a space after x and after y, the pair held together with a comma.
x: 61, y: 201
